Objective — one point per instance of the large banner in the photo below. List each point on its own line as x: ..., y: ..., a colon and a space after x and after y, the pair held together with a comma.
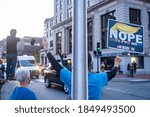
x: 125, y: 36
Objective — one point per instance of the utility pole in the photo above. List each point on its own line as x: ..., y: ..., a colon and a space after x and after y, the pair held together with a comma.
x: 98, y: 54
x: 80, y: 56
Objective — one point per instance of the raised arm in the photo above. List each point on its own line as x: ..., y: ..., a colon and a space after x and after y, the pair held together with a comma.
x: 112, y: 73
x: 56, y: 66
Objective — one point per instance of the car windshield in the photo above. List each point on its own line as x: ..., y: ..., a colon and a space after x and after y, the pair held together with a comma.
x: 27, y: 62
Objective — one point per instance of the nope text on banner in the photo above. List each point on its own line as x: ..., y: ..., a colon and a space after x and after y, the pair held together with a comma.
x: 125, y: 36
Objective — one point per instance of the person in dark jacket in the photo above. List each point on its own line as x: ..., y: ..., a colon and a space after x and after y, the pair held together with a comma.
x: 128, y: 69
x: 2, y: 69
x: 134, y: 64
x: 11, y: 48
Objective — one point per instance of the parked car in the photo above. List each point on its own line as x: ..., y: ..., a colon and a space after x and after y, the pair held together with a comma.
x: 51, y: 77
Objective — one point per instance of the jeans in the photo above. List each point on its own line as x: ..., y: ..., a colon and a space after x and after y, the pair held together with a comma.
x: 11, y: 65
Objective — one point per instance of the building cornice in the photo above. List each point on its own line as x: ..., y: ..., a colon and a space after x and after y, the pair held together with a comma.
x: 62, y: 23
x: 98, y: 5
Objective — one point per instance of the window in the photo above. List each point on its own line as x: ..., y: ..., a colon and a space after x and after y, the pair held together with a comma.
x: 47, y: 34
x: 56, y: 8
x: 51, y: 23
x: 90, y: 35
x: 70, y: 39
x: 51, y: 43
x: 104, y: 22
x: 139, y: 61
x: 105, y: 17
x: 56, y: 19
x: 58, y: 42
x: 135, y: 16
x: 69, y: 12
x: 148, y: 20
x: 46, y: 25
x: 109, y: 62
x: 51, y: 33
x: 61, y: 17
x: 69, y: 2
x: 61, y: 5
x: 89, y: 3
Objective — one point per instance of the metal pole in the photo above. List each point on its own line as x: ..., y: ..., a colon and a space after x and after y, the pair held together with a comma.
x: 80, y: 69
x: 98, y: 64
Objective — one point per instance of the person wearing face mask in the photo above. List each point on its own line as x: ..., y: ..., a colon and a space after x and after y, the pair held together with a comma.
x: 22, y: 92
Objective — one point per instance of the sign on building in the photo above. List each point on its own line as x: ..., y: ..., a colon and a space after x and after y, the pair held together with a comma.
x: 125, y: 36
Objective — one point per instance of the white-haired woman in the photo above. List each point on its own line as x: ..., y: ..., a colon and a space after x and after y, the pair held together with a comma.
x: 22, y: 92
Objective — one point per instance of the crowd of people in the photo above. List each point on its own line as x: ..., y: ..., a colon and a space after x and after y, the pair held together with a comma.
x: 131, y: 69
x: 96, y: 81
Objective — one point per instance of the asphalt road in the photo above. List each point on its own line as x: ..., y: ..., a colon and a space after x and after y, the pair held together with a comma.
x: 43, y: 93
x: 117, y: 89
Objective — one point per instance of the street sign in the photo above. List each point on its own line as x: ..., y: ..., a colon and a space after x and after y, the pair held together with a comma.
x: 125, y: 36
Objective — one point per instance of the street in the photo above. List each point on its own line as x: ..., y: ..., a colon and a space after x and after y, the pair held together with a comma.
x: 43, y: 93
x: 117, y: 89
x: 127, y: 89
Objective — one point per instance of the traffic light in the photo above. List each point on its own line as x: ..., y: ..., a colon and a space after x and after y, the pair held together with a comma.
x: 99, y: 49
x: 99, y: 53
x: 98, y: 46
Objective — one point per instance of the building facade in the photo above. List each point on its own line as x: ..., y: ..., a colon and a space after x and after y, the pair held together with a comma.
x: 47, y: 38
x: 98, y: 12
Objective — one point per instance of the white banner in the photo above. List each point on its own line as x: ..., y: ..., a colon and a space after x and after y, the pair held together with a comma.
x: 74, y: 108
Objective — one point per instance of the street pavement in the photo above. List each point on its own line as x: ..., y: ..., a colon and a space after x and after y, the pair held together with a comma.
x: 139, y: 76
x: 130, y: 88
x: 139, y: 86
x: 7, y: 89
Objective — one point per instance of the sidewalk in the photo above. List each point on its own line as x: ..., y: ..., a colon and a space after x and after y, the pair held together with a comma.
x: 7, y: 89
x: 138, y: 87
x: 139, y: 76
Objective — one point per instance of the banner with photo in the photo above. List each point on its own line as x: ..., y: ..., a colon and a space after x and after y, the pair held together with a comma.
x: 125, y: 36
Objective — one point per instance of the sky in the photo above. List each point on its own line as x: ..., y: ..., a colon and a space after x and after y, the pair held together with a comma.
x: 26, y: 16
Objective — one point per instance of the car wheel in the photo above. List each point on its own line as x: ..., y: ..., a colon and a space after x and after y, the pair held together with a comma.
x: 47, y: 83
x: 37, y: 76
x: 66, y: 89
